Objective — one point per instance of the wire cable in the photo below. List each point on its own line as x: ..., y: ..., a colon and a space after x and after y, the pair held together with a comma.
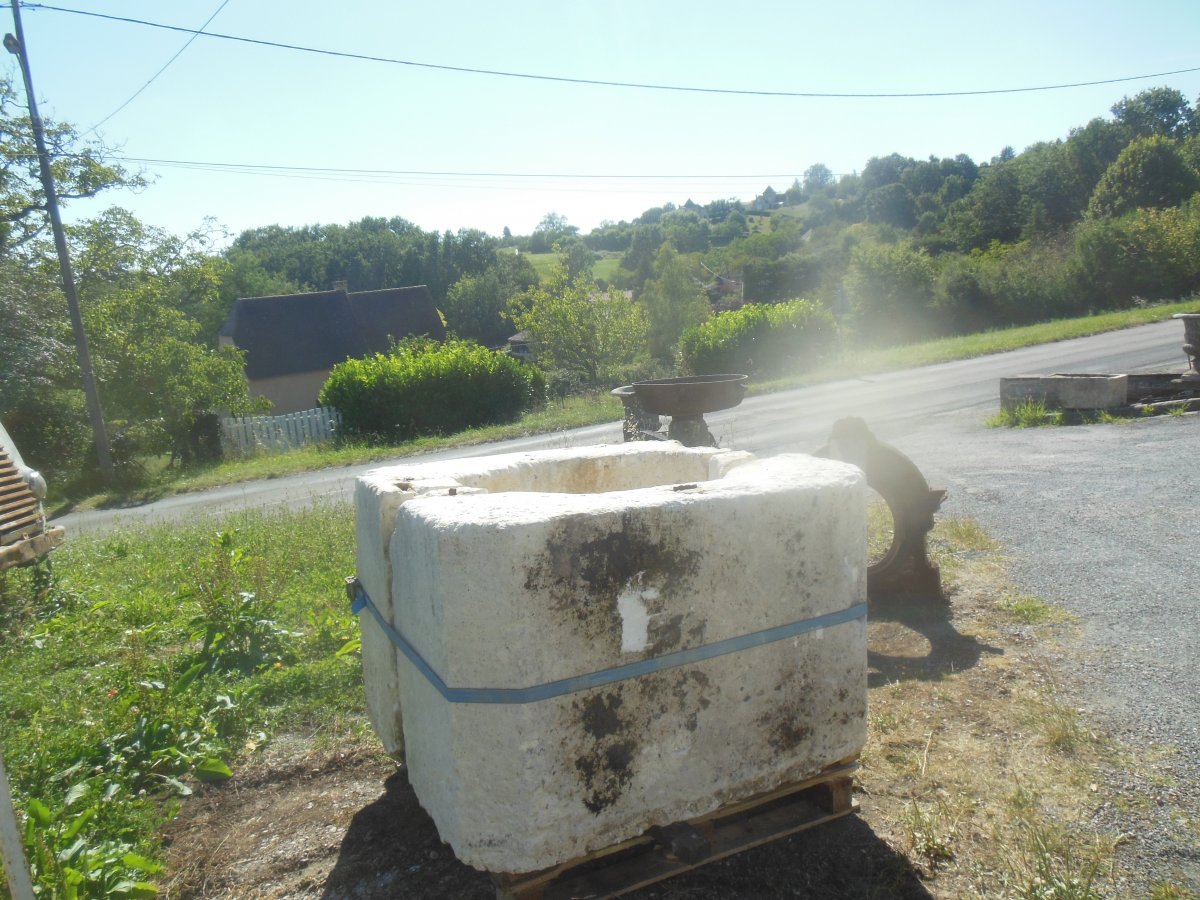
x: 334, y: 170
x: 601, y: 82
x: 164, y: 68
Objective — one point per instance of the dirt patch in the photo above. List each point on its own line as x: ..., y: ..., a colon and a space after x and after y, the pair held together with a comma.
x: 965, y: 756
x: 347, y: 825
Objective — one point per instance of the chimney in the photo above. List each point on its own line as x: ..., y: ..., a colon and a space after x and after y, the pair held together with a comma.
x: 340, y: 286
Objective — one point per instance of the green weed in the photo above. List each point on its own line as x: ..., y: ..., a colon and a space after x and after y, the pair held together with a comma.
x: 65, y: 864
x: 930, y: 830
x: 1030, y: 610
x: 159, y: 656
x: 1056, y: 870
x: 1164, y: 890
x: 1027, y: 414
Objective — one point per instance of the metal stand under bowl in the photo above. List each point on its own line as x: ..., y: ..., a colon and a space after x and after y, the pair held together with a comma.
x: 686, y: 400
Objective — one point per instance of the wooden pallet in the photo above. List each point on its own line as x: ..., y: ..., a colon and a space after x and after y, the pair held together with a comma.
x: 663, y: 852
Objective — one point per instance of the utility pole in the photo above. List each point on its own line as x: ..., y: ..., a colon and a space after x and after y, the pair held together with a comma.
x: 16, y: 46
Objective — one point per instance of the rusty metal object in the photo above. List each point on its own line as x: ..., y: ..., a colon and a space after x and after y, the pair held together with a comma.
x: 685, y: 400
x: 638, y: 424
x: 905, y: 569
x: 691, y: 431
x: 1191, y: 348
x: 691, y: 395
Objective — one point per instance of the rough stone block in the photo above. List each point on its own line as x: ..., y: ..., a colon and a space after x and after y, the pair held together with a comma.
x: 1091, y: 391
x: 1018, y: 389
x: 513, y: 572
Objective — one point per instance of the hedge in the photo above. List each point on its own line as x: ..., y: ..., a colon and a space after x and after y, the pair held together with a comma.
x: 428, y: 388
x: 759, y: 339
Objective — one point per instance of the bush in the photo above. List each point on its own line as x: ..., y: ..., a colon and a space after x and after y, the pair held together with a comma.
x: 759, y: 339
x: 1008, y: 284
x: 426, y: 388
x: 1149, y: 253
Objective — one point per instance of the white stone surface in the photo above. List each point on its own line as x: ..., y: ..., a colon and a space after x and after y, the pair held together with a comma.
x: 1091, y: 391
x: 518, y: 570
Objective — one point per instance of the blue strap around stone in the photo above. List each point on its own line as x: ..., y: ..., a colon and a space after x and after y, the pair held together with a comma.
x: 360, y: 601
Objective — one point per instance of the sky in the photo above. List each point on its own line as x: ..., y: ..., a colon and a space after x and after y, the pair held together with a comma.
x: 450, y: 149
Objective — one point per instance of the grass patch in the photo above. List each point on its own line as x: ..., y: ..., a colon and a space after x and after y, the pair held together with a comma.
x: 605, y: 268
x: 162, y: 656
x: 998, y: 341
x: 1030, y: 610
x: 974, y: 767
x: 1026, y: 414
x: 558, y: 415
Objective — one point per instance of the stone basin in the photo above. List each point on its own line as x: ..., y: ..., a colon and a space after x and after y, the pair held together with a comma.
x: 601, y: 640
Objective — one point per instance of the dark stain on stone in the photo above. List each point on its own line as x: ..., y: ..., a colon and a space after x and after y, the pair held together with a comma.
x: 787, y: 735
x: 793, y: 542
x: 608, y: 562
x: 665, y: 636
x: 599, y: 715
x: 606, y: 774
x: 588, y: 562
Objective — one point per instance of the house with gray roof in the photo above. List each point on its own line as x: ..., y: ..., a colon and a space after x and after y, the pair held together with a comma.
x: 291, y: 342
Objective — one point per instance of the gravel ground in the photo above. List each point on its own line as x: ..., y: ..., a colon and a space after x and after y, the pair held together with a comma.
x: 1100, y: 520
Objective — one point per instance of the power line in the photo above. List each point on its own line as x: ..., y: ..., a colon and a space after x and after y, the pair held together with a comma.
x: 164, y: 68
x: 355, y: 171
x: 342, y: 54
x: 633, y: 184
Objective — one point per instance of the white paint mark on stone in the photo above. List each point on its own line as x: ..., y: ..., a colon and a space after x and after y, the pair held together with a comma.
x: 635, y: 617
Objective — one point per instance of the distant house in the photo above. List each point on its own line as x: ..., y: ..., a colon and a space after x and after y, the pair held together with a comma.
x: 520, y: 346
x: 293, y: 341
x: 768, y: 199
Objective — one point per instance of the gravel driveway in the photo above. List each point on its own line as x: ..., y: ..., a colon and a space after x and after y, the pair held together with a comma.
x: 1100, y: 520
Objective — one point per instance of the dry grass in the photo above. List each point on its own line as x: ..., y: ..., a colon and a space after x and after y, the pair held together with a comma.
x: 975, y: 768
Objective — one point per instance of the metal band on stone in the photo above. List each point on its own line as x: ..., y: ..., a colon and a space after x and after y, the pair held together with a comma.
x: 360, y: 601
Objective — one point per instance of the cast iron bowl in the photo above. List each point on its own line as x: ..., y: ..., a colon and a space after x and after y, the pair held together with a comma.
x: 690, y: 395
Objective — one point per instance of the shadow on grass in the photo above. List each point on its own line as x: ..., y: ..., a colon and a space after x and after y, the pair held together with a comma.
x: 913, y: 639
x: 392, y: 849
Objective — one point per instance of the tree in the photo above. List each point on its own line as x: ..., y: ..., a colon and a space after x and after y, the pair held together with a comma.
x: 1150, y: 173
x: 1158, y: 111
x: 160, y: 382
x: 674, y: 301
x: 597, y: 338
x: 643, y: 247
x: 818, y: 177
x: 550, y: 230
x: 891, y: 204
x: 990, y: 212
x: 476, y: 306
x: 144, y: 294
x: 884, y: 170
x: 80, y: 170
x: 580, y: 259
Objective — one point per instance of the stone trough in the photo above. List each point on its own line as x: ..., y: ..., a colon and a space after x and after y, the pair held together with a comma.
x: 1134, y: 393
x: 571, y: 647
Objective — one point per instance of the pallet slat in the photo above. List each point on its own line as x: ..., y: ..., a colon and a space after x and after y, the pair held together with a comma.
x: 732, y: 829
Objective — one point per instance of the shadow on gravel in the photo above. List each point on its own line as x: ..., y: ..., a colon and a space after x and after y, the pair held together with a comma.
x: 392, y: 849
x: 913, y: 639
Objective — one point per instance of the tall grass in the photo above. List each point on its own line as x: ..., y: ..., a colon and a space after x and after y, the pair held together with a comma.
x: 148, y: 661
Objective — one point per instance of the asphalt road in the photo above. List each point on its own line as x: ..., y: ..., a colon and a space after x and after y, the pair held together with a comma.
x: 1096, y: 518
x: 896, y: 404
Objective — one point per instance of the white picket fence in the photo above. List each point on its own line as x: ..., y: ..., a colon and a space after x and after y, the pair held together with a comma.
x: 241, y: 435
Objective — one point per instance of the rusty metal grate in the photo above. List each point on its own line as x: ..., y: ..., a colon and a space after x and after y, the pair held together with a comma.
x: 20, y: 511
